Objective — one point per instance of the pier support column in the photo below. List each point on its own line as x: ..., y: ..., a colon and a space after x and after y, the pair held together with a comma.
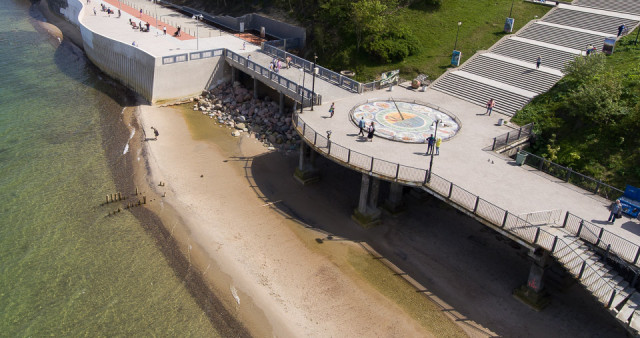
x: 255, y: 88
x: 233, y: 75
x: 533, y: 293
x: 394, y: 203
x: 367, y: 214
x: 281, y: 103
x: 306, y: 172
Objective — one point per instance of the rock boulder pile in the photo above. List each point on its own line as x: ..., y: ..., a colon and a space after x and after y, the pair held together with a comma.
x: 233, y: 105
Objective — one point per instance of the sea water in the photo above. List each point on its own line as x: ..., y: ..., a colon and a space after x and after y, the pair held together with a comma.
x: 67, y: 269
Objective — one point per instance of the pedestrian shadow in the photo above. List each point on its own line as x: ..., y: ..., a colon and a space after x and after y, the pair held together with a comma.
x: 361, y: 139
x: 597, y: 221
x: 421, y: 153
x: 482, y: 114
x: 150, y: 139
x: 352, y: 134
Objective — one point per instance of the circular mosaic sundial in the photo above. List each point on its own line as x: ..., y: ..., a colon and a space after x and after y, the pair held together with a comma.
x: 405, y: 121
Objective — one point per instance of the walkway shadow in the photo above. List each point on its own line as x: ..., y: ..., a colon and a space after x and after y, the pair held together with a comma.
x: 631, y: 226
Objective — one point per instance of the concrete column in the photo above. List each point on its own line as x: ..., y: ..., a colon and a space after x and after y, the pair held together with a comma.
x: 255, y: 88
x: 364, y: 193
x: 301, y: 160
x: 367, y: 214
x: 233, y: 74
x: 533, y: 293
x: 375, y: 192
x: 306, y: 172
x: 394, y: 202
x: 281, y: 103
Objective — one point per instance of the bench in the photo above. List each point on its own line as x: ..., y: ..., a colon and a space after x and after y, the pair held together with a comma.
x: 631, y: 201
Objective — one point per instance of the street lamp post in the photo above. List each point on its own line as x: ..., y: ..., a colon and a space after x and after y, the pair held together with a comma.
x: 302, y: 89
x: 197, y: 18
x: 458, y: 31
x: 511, y: 10
x: 313, y: 84
x: 435, y: 138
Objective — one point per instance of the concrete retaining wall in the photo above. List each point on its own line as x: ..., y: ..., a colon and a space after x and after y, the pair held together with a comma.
x: 141, y: 71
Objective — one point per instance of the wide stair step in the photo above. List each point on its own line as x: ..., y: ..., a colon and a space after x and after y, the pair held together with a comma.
x: 622, y: 6
x: 515, y: 75
x: 507, y: 103
x: 528, y: 52
x: 590, y: 21
x: 561, y: 36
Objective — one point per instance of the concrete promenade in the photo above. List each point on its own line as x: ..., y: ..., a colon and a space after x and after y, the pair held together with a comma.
x: 462, y: 159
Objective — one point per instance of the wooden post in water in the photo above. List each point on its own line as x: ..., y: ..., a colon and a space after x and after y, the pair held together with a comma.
x: 136, y: 191
x: 144, y: 199
x: 119, y: 197
x: 107, y: 199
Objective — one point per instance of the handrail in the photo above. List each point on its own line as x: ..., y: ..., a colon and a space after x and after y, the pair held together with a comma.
x: 455, y: 195
x: 324, y: 73
x: 569, y: 175
x: 304, y: 93
x: 513, y: 136
x: 623, y: 249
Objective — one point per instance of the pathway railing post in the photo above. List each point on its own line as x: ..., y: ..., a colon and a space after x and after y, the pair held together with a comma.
x: 349, y: 156
x: 599, y: 236
x: 519, y: 132
x: 584, y: 264
x: 315, y: 138
x: 450, y: 190
x: 566, y: 217
x: 535, y: 238
x: 493, y: 147
x: 553, y: 246
x: 371, y: 169
x: 635, y: 259
x: 475, y: 208
x: 568, y: 174
x: 504, y: 219
x: 507, y: 140
x: 595, y: 191
x: 580, y: 228
x: 610, y: 302
x: 397, y: 170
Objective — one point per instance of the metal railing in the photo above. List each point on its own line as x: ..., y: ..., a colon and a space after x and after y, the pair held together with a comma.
x: 569, y: 175
x: 305, y: 94
x: 465, y: 201
x: 285, y: 44
x: 513, y: 136
x: 543, y: 217
x: 323, y: 73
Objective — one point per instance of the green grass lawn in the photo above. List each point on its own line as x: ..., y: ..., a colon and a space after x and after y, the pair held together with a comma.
x: 482, y: 26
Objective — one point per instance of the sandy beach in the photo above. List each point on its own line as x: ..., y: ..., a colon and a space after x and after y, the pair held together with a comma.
x: 267, y: 268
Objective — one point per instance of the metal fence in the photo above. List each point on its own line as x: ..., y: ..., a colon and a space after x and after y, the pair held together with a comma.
x: 323, y: 73
x: 543, y: 217
x: 513, y: 136
x: 285, y: 44
x: 567, y: 174
x: 464, y: 200
x: 262, y: 72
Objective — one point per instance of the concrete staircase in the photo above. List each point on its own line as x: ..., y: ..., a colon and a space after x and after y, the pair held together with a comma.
x: 507, y: 71
x: 604, y: 284
x: 622, y: 6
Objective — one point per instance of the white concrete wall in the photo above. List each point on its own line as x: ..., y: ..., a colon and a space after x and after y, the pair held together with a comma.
x: 182, y: 79
x: 141, y: 71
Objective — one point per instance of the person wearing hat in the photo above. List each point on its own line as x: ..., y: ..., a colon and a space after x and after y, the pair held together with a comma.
x: 616, y: 212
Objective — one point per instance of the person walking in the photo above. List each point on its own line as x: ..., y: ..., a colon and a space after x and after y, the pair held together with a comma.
x: 616, y: 212
x: 361, y: 124
x: 119, y: 13
x: 430, y: 142
x: 538, y: 62
x: 140, y: 12
x: 155, y: 133
x: 438, y: 143
x: 490, y: 105
x: 164, y: 30
x: 372, y: 130
x: 331, y: 109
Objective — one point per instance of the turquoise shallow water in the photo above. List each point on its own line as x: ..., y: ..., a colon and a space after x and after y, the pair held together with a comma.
x: 66, y: 269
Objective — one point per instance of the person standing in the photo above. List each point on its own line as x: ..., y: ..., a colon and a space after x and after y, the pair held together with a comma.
x: 331, y: 109
x: 119, y: 13
x: 155, y: 133
x: 490, y: 105
x: 438, y: 143
x: 372, y: 130
x: 140, y: 12
x: 621, y: 29
x: 616, y: 212
x: 164, y: 30
x: 361, y: 124
x: 94, y: 11
x: 430, y: 142
x: 538, y: 62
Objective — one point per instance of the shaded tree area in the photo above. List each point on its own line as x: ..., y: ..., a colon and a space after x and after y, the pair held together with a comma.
x: 590, y: 120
